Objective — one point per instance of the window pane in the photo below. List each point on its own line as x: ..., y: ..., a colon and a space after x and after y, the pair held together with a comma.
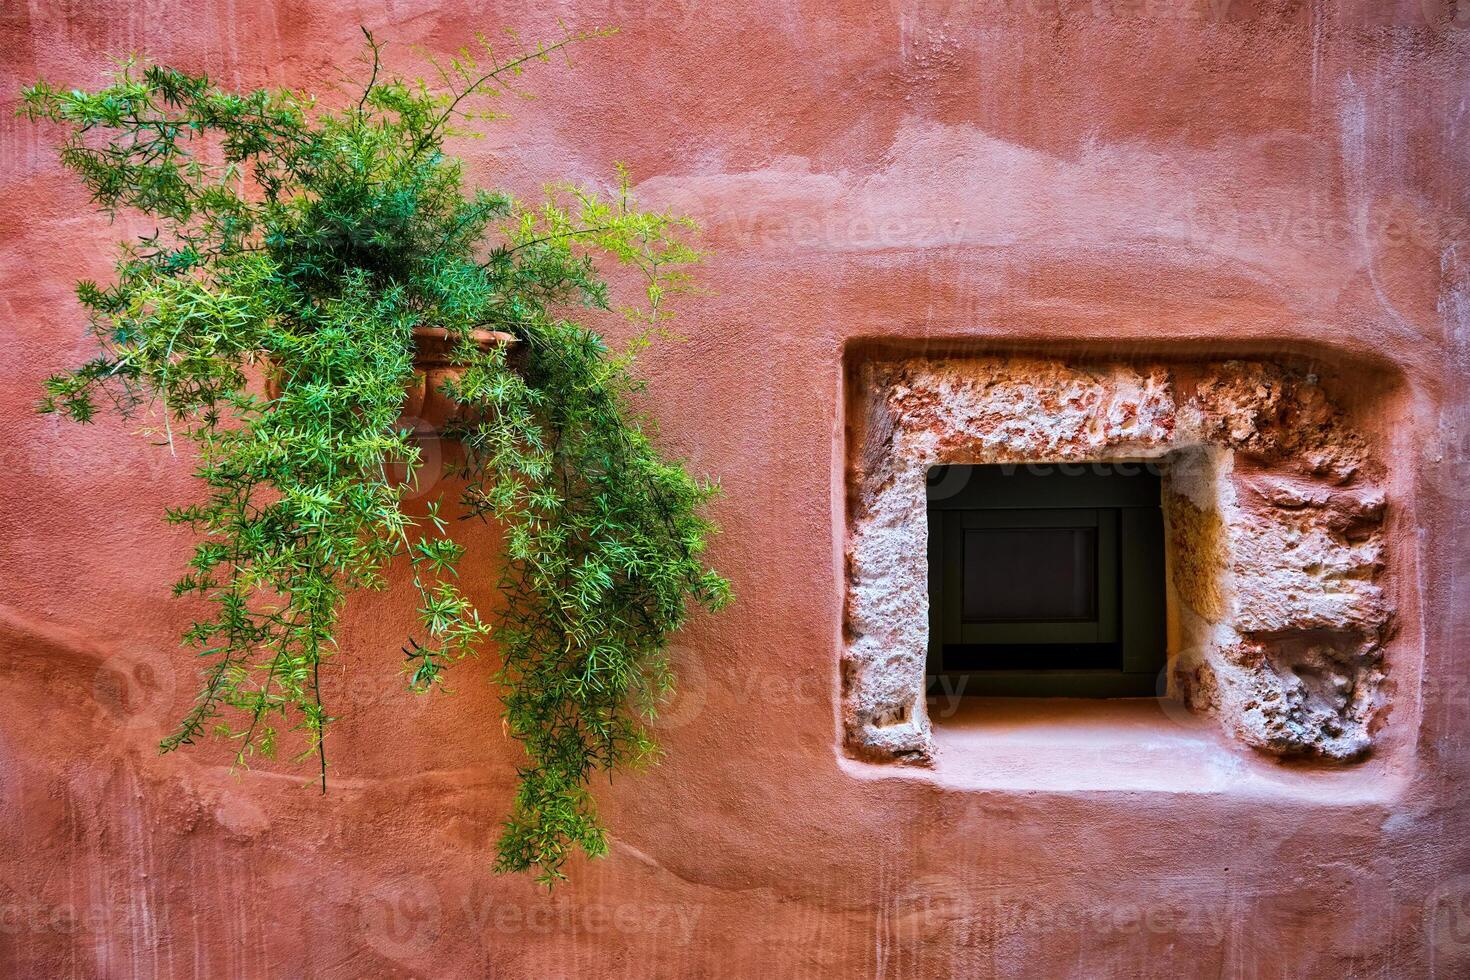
x: 1035, y: 573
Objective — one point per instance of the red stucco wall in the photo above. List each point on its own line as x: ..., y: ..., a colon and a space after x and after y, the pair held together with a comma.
x: 1185, y: 176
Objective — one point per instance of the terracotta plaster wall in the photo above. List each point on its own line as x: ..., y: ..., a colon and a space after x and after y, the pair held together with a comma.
x: 1204, y: 179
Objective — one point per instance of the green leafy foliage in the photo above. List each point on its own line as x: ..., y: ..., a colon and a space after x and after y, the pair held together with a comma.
x: 308, y: 243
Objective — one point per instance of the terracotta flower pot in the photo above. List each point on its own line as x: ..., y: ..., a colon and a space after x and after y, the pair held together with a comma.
x: 425, y: 405
x: 426, y: 402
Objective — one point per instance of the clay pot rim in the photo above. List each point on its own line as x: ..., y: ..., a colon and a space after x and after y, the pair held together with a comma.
x: 425, y: 357
x: 434, y: 346
x: 482, y: 337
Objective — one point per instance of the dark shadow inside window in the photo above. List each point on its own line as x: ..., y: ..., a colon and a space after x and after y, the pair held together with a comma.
x: 1046, y: 580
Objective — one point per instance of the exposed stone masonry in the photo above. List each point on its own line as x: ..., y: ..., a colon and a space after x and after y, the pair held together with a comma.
x: 1274, y: 527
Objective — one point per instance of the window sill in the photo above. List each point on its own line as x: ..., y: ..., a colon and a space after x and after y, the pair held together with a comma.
x: 1133, y: 745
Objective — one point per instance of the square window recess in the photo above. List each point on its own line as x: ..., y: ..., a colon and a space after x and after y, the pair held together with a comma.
x: 1046, y: 580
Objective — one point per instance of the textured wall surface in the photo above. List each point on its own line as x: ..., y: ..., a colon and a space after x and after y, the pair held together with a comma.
x: 1280, y: 619
x: 1182, y: 179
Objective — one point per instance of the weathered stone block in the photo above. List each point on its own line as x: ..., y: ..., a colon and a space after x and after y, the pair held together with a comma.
x: 1274, y: 534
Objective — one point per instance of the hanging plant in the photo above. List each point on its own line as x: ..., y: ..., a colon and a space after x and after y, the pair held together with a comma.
x: 325, y: 248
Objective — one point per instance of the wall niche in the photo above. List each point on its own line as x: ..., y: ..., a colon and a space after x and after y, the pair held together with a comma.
x: 1274, y: 513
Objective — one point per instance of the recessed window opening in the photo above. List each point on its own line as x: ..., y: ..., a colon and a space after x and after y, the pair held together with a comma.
x: 1046, y: 580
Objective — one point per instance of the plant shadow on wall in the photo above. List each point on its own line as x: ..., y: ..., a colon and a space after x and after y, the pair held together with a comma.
x: 327, y: 248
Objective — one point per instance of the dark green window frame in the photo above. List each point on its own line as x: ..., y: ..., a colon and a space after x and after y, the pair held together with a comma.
x: 1117, y: 650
